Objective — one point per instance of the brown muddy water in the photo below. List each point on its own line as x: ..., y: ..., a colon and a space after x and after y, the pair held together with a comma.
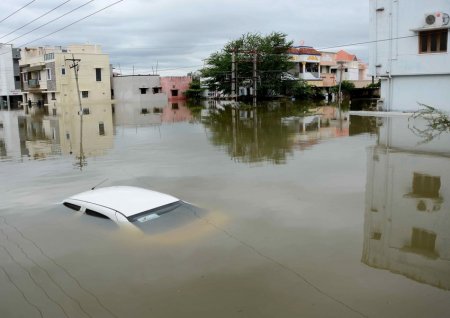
x: 299, y: 218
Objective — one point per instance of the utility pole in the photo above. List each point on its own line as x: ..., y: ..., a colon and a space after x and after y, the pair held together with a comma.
x: 341, y: 64
x: 233, y: 74
x: 255, y: 76
x: 75, y: 67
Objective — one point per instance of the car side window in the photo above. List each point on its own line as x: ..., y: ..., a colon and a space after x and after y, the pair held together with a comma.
x: 96, y: 214
x: 72, y: 206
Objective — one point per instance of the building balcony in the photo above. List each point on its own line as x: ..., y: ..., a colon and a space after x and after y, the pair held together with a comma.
x: 310, y: 76
x: 33, y: 83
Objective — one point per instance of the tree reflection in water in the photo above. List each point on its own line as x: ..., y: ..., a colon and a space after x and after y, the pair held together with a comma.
x: 251, y: 134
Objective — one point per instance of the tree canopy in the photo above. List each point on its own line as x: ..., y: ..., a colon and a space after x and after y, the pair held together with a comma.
x: 272, y: 62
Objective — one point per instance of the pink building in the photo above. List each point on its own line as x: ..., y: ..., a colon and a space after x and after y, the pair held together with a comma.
x: 175, y: 86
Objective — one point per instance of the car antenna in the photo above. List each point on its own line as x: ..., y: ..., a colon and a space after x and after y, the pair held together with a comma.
x: 98, y: 184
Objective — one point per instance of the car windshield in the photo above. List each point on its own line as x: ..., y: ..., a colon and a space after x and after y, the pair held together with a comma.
x: 166, y: 218
x: 154, y: 213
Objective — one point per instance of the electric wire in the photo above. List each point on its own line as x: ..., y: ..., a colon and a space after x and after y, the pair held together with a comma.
x: 41, y: 16
x: 51, y: 21
x: 21, y: 8
x: 76, y: 21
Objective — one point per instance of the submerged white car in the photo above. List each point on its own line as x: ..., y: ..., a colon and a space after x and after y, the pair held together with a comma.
x: 124, y: 204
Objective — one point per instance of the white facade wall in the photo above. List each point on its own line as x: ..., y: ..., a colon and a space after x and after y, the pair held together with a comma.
x: 130, y: 102
x: 408, y: 78
x: 6, y: 70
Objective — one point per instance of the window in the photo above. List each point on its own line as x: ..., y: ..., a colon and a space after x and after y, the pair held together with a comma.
x: 17, y: 78
x: 98, y: 74
x: 434, y: 41
x: 49, y: 74
x: 144, y: 111
x: 53, y: 96
x: 84, y: 94
x: 174, y: 92
x: 143, y: 90
x: 63, y: 71
x: 72, y: 206
x: 49, y: 56
x: 86, y: 111
x: 156, y: 90
x: 175, y: 106
x: 39, y: 75
x: 96, y: 214
x: 101, y: 128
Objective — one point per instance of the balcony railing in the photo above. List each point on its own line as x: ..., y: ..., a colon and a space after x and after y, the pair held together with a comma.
x: 33, y: 83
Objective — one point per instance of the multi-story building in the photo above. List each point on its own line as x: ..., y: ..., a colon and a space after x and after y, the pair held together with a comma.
x: 353, y: 69
x: 306, y: 61
x: 410, y: 53
x: 49, y: 83
x: 10, y: 94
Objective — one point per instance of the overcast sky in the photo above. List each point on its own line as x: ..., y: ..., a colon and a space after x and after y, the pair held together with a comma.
x: 178, y: 34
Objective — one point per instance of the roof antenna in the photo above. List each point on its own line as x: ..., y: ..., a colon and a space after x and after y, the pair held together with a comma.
x: 98, y: 184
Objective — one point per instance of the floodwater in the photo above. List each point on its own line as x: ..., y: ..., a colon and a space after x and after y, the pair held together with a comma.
x: 300, y: 217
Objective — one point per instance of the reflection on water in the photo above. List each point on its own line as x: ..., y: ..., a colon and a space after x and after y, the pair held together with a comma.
x: 276, y: 240
x: 41, y: 137
x: 407, y: 217
x: 271, y: 131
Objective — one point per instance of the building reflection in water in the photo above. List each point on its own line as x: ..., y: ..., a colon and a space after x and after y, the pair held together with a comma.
x: 41, y: 137
x: 407, y: 215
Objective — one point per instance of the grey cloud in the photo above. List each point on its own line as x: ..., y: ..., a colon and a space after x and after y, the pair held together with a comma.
x: 181, y: 33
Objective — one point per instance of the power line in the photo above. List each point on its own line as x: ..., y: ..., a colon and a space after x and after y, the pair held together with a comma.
x: 65, y: 27
x: 368, y: 42
x: 35, y: 19
x: 51, y: 21
x: 17, y: 11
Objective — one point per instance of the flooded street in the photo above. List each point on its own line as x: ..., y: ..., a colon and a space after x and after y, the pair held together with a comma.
x: 301, y: 216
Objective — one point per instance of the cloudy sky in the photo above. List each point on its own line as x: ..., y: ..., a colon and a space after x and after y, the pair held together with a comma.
x: 177, y: 35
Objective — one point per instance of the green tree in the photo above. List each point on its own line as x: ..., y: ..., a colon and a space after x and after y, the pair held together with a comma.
x: 195, y: 90
x: 273, y: 61
x: 346, y: 87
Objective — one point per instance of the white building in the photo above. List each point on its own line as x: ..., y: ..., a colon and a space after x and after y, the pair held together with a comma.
x: 306, y: 64
x: 409, y: 53
x: 139, y: 99
x: 10, y: 94
x: 407, y: 215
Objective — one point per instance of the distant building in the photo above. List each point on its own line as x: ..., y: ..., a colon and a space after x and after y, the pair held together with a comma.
x: 10, y: 94
x: 353, y: 69
x: 175, y: 86
x: 139, y: 99
x: 49, y: 84
x: 306, y: 61
x: 410, y: 53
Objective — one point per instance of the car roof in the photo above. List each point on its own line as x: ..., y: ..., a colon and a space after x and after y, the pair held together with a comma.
x: 126, y: 200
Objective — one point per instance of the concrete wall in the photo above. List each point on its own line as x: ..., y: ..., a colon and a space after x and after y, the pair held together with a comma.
x: 130, y: 102
x: 177, y: 83
x: 394, y: 60
x: 8, y: 70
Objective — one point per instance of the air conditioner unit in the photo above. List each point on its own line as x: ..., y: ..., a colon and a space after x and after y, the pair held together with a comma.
x: 436, y: 19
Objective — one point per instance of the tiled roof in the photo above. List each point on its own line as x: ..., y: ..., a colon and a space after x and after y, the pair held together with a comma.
x: 345, y: 56
x: 303, y: 50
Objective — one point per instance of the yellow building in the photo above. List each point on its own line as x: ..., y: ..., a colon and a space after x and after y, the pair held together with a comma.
x: 49, y: 85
